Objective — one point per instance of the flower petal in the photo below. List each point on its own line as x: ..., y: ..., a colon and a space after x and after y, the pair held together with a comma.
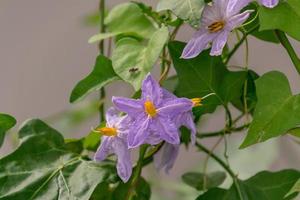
x: 173, y: 107
x: 186, y: 119
x: 237, y: 20
x: 219, y: 43
x: 130, y: 106
x: 167, y: 130
x: 168, y: 95
x: 211, y: 14
x: 151, y: 90
x: 166, y: 157
x: 104, y: 149
x: 124, y: 166
x: 112, y: 116
x: 235, y: 6
x: 269, y: 3
x: 139, y: 131
x: 197, y: 44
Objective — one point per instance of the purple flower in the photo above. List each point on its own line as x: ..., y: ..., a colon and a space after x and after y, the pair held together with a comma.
x: 166, y: 157
x: 217, y: 22
x: 269, y: 3
x: 152, y: 115
x: 114, y: 140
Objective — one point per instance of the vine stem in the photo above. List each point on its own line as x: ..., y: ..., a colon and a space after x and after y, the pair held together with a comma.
x: 225, y: 166
x: 222, y: 132
x: 137, y: 172
x: 289, y: 48
x: 101, y: 51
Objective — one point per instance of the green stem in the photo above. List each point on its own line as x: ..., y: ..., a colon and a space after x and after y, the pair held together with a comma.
x: 225, y: 166
x: 222, y: 132
x: 101, y: 50
x: 137, y: 172
x: 289, y: 48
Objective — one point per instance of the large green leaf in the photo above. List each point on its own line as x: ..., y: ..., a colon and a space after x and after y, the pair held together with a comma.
x: 263, y: 186
x: 132, y: 59
x: 201, y: 181
x: 277, y: 110
x: 126, y: 18
x: 6, y: 123
x: 204, y: 75
x: 101, y: 75
x: 42, y: 168
x: 187, y: 10
x: 285, y: 17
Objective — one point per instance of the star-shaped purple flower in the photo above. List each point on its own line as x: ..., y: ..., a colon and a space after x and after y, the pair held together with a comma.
x: 166, y: 157
x: 114, y: 140
x: 152, y: 115
x: 217, y: 21
x: 269, y: 3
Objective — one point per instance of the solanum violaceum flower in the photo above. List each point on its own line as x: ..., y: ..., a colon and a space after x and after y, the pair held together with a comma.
x: 269, y: 3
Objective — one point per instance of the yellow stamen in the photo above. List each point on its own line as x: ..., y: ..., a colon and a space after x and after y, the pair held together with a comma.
x: 150, y: 108
x: 216, y: 26
x: 107, y: 131
x: 196, y: 101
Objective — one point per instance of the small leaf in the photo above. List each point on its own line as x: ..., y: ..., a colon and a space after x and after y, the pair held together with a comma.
x: 101, y: 75
x: 285, y: 17
x: 201, y: 181
x: 187, y: 10
x: 132, y: 60
x: 277, y: 110
x: 6, y: 123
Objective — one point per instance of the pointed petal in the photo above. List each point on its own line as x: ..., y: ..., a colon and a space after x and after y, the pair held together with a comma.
x: 139, y: 131
x: 104, y: 149
x: 124, y: 166
x: 269, y: 3
x: 219, y: 43
x: 167, y: 130
x: 112, y: 116
x: 235, y: 6
x: 197, y: 44
x: 211, y: 14
x: 151, y: 90
x: 186, y: 119
x: 129, y: 106
x: 237, y: 20
x: 166, y: 157
x: 175, y: 106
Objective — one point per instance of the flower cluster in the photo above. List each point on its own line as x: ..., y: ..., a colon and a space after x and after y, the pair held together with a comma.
x: 217, y: 21
x: 152, y: 119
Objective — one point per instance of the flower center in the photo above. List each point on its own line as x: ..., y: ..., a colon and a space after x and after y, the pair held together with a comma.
x: 107, y: 131
x: 216, y: 26
x: 196, y: 102
x: 150, y: 108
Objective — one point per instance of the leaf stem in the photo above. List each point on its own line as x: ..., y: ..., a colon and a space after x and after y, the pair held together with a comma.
x: 225, y: 166
x: 101, y: 50
x: 222, y: 132
x: 289, y: 48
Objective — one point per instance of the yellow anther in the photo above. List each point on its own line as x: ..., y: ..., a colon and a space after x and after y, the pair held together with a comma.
x: 216, y: 26
x: 107, y: 131
x: 196, y: 101
x: 150, y: 108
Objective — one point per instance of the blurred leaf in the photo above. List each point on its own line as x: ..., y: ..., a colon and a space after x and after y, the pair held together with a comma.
x: 277, y: 110
x: 74, y: 145
x: 101, y: 75
x: 6, y: 123
x: 102, y: 192
x: 126, y: 18
x: 170, y: 83
x: 185, y: 136
x: 285, y: 17
x: 295, y: 132
x: 93, y: 19
x: 263, y: 186
x: 204, y: 75
x: 42, y: 168
x: 132, y: 60
x: 295, y: 188
x: 142, y: 190
x: 187, y: 10
x: 196, y: 180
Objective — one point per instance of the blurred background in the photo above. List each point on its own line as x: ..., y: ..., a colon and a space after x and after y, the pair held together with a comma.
x: 44, y: 52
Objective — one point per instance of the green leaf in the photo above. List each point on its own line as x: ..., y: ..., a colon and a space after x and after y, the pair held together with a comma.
x: 295, y: 188
x: 101, y: 75
x: 126, y: 18
x: 204, y: 75
x: 142, y: 190
x: 201, y: 181
x: 131, y: 54
x: 187, y: 10
x: 6, y: 123
x: 295, y: 132
x: 263, y: 186
x: 42, y: 168
x: 277, y: 110
x: 285, y: 17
